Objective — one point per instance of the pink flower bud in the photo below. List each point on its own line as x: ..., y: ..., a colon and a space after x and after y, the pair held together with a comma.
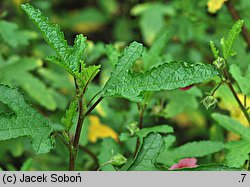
x: 185, y: 163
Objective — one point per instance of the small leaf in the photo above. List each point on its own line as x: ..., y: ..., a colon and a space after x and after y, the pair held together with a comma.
x: 232, y: 125
x: 88, y: 74
x: 227, y: 44
x: 24, y: 121
x: 148, y: 152
x: 214, y: 50
x: 67, y: 120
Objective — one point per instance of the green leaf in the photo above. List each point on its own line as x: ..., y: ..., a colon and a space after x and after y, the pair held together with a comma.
x: 26, y: 166
x: 192, y: 149
x: 24, y: 121
x: 18, y: 72
x: 151, y: 19
x: 88, y: 74
x: 232, y: 125
x: 67, y: 120
x: 243, y: 81
x: 151, y: 58
x: 214, y: 50
x: 181, y: 101
x: 148, y: 152
x: 109, y: 148
x: 14, y: 37
x: 156, y: 129
x: 169, y: 141
x: 68, y: 57
x: 167, y: 76
x: 227, y: 44
x: 238, y: 153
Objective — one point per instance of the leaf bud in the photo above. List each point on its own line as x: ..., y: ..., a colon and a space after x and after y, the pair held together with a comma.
x: 220, y: 63
x: 209, y: 101
x: 133, y: 128
x: 118, y: 160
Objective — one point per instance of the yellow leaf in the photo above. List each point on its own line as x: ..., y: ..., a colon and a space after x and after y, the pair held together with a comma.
x: 215, y: 5
x: 99, y: 130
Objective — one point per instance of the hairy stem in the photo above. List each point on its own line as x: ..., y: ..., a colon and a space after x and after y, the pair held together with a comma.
x: 74, y: 147
x: 81, y: 117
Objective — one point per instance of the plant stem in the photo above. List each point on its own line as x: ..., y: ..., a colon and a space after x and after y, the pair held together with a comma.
x: 236, y: 16
x: 74, y: 147
x: 93, y: 106
x: 81, y: 117
x: 141, y: 110
x: 93, y: 98
x: 229, y: 84
x: 245, y: 100
x: 217, y: 87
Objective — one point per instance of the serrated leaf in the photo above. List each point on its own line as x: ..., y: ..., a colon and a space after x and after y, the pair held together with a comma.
x: 156, y: 129
x: 24, y: 121
x: 109, y: 148
x: 214, y: 50
x: 188, y: 150
x: 232, y: 125
x: 167, y: 76
x: 67, y: 120
x: 243, y: 81
x: 148, y: 152
x: 227, y: 44
x: 68, y: 57
x: 238, y: 153
x: 88, y: 74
